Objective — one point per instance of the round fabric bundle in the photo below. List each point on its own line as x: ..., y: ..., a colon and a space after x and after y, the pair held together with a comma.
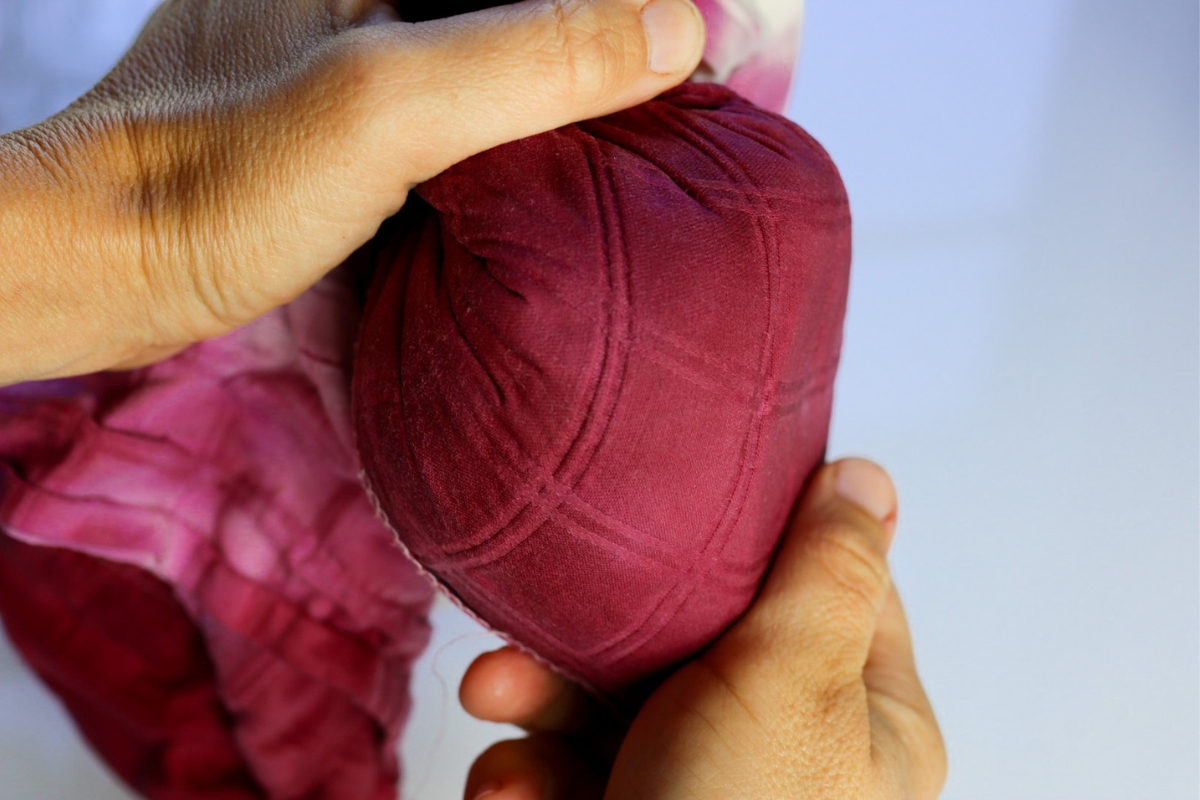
x: 596, y: 369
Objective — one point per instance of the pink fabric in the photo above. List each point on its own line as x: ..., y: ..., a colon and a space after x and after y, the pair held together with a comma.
x: 228, y: 472
x: 752, y: 47
x: 590, y: 387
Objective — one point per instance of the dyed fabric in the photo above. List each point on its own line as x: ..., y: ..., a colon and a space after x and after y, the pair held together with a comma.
x: 149, y: 704
x: 592, y: 380
x: 227, y: 473
x: 189, y: 557
x: 752, y: 47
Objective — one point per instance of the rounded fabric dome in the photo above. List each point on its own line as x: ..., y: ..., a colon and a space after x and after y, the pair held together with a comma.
x: 596, y: 369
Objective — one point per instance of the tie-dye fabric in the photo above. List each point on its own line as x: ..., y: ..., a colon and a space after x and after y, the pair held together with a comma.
x: 752, y: 47
x: 229, y: 473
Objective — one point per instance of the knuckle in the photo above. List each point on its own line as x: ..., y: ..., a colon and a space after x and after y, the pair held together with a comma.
x: 854, y: 561
x: 359, y: 69
x: 582, y: 51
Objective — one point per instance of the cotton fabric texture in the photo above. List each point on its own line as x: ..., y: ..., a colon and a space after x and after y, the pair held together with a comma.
x: 594, y: 373
x: 596, y: 369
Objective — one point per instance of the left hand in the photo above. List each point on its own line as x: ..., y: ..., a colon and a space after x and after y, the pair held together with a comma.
x: 243, y: 148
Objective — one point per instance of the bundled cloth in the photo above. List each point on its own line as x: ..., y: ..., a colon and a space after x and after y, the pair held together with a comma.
x: 578, y: 383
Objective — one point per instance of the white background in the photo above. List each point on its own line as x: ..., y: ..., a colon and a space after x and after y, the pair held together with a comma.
x: 1021, y: 352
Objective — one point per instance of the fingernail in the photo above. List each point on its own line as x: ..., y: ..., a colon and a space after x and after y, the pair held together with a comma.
x: 867, y: 485
x: 487, y: 790
x: 674, y: 33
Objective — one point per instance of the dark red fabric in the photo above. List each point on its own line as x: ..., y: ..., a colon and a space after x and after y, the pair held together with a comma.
x: 123, y: 655
x: 596, y: 370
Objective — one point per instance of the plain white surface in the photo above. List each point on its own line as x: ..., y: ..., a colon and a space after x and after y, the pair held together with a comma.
x: 1021, y: 352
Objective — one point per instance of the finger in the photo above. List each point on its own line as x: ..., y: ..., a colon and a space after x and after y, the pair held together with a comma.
x: 450, y: 88
x: 373, y: 12
x: 891, y: 668
x: 148, y: 356
x: 536, y: 768
x: 908, y: 742
x: 511, y: 686
x: 816, y: 614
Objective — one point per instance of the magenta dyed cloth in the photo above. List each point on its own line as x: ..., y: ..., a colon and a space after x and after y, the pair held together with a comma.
x: 592, y: 382
x: 228, y: 472
x: 189, y: 557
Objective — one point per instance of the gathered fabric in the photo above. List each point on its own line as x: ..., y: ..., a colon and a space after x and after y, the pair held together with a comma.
x: 227, y: 473
x: 590, y: 376
x: 595, y: 370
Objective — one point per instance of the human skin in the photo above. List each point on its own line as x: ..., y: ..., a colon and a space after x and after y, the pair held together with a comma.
x: 813, y: 694
x: 243, y: 148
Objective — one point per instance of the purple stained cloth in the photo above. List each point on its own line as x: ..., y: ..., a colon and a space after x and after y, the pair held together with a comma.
x: 229, y: 474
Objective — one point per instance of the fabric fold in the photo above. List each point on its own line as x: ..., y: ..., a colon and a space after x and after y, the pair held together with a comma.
x: 228, y: 473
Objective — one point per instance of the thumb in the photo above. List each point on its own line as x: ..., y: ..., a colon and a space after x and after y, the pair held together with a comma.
x: 461, y: 85
x: 818, y: 609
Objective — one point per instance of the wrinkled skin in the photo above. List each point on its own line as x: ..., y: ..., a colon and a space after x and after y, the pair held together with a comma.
x: 241, y: 150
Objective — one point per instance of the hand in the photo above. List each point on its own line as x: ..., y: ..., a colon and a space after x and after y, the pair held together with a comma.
x: 812, y: 694
x: 243, y: 148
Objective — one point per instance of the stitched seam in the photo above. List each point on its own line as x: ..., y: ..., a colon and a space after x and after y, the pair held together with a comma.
x: 644, y: 632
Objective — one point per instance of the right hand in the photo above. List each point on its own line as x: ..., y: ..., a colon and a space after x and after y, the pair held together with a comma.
x: 812, y: 695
